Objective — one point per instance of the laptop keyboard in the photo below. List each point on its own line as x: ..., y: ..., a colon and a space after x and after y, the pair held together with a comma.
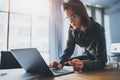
x: 64, y: 70
x: 59, y: 71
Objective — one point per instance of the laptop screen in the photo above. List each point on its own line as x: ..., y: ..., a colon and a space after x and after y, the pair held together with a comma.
x: 31, y: 60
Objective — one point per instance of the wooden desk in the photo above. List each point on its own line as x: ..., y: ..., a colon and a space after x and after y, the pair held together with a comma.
x: 19, y: 74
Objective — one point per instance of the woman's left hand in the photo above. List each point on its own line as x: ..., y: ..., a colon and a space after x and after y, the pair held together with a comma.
x: 77, y: 64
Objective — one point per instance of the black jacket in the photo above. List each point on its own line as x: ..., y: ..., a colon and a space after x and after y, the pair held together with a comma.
x: 93, y: 41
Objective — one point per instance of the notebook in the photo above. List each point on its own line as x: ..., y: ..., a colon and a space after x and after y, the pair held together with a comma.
x: 32, y: 61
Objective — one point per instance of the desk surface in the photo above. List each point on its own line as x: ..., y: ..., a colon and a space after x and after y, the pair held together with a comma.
x: 19, y: 74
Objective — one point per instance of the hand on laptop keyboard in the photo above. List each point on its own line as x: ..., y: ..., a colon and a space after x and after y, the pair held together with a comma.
x: 55, y: 65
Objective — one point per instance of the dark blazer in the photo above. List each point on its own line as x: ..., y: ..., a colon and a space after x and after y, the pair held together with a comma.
x: 93, y: 42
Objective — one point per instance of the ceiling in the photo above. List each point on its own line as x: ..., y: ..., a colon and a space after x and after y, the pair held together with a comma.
x: 100, y: 3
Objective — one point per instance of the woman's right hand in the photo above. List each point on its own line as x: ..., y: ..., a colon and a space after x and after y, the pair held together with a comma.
x: 55, y: 65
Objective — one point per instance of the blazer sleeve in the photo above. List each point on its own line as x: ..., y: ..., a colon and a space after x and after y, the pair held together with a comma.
x: 69, y: 48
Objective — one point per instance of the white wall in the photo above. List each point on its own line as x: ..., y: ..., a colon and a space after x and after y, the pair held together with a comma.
x: 112, y: 24
x: 114, y: 20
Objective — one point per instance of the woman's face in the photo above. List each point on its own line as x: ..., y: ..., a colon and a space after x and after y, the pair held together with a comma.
x: 73, y: 18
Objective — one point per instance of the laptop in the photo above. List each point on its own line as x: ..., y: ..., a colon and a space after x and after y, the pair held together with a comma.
x: 8, y: 61
x: 32, y: 61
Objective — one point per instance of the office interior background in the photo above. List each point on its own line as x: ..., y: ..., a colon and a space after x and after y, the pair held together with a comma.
x: 42, y: 24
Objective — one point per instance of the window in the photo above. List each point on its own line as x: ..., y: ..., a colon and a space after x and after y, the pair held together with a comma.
x: 25, y: 23
x: 98, y: 14
x: 40, y: 39
x: 4, y: 5
x: 3, y: 30
x: 19, y: 31
x: 89, y: 10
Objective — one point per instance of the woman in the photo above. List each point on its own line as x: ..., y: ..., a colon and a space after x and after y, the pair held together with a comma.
x: 88, y: 34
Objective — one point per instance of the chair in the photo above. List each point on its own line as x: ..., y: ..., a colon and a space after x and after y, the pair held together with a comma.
x: 8, y: 61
